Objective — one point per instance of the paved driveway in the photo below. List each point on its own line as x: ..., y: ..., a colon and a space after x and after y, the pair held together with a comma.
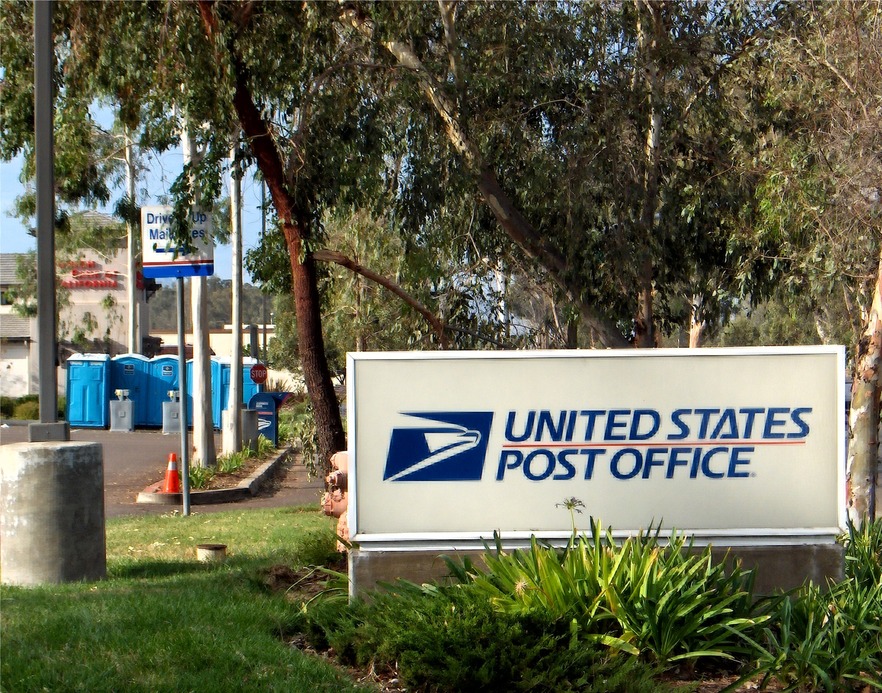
x: 133, y: 461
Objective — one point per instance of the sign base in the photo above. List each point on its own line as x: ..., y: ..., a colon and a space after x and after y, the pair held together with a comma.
x: 778, y: 568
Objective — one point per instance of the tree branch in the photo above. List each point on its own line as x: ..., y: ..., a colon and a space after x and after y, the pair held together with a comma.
x: 448, y: 19
x: 350, y: 264
x: 507, y: 214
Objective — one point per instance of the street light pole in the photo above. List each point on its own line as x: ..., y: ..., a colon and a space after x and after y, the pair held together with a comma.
x: 47, y: 347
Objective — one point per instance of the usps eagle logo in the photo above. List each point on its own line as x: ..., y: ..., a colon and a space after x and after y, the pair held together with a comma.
x: 448, y: 446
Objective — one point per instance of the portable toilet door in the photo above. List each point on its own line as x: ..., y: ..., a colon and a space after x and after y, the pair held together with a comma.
x: 132, y: 372
x: 215, y: 368
x: 224, y: 380
x: 249, y: 387
x: 88, y: 390
x: 163, y: 378
x: 218, y: 403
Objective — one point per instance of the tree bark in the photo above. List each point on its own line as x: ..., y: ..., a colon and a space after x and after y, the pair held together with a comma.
x: 863, y: 451
x: 644, y: 324
x: 696, y: 323
x: 316, y: 373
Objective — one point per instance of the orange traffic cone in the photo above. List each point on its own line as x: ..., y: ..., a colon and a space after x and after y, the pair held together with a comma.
x: 172, y: 481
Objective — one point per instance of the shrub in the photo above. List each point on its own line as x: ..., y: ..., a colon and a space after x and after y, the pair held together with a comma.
x: 830, y: 640
x: 27, y: 410
x: 452, y: 639
x: 297, y: 425
x: 264, y: 446
x: 7, y: 406
x: 664, y: 603
x: 62, y: 407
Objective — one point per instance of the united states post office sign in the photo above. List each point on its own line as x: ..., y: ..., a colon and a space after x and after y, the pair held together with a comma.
x: 717, y: 442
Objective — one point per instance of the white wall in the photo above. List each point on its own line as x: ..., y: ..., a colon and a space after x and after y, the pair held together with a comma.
x: 14, y: 369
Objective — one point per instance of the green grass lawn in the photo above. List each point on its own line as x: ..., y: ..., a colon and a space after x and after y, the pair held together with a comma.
x: 162, y: 621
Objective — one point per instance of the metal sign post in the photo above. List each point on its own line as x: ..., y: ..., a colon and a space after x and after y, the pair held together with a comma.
x: 161, y: 259
x: 182, y: 383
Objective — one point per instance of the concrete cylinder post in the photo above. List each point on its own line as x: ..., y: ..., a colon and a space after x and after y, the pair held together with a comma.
x: 52, y: 527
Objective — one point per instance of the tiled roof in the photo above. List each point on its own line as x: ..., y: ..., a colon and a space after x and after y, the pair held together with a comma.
x: 91, y: 217
x: 8, y: 265
x: 14, y: 327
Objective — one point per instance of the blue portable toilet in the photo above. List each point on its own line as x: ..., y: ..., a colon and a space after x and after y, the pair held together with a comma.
x: 249, y: 387
x: 88, y: 390
x: 132, y: 372
x: 215, y: 368
x: 217, y: 404
x: 163, y: 377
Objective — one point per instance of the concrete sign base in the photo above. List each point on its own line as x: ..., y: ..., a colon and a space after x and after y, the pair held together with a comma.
x: 777, y: 567
x: 52, y: 527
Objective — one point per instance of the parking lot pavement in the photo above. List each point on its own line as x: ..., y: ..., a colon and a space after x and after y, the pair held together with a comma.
x: 133, y: 461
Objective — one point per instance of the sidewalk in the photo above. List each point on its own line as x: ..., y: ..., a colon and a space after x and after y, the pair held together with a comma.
x: 133, y: 461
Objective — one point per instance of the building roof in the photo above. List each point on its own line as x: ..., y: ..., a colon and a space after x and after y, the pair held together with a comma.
x: 8, y: 266
x: 14, y: 327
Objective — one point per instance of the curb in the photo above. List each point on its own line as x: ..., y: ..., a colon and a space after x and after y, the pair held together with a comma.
x: 246, y: 488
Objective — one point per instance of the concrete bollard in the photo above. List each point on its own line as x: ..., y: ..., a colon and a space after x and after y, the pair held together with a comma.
x: 52, y: 526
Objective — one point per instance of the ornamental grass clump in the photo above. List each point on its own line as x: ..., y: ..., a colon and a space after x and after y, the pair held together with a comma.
x: 823, y: 639
x: 665, y: 603
x: 200, y: 477
x: 829, y: 639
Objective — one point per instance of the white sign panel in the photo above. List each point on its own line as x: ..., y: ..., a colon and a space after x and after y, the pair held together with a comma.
x: 161, y: 258
x: 714, y: 442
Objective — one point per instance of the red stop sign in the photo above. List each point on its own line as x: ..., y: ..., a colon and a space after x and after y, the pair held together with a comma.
x: 258, y: 373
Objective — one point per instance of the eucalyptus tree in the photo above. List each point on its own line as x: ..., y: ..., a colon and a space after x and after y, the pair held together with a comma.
x: 598, y: 136
x: 821, y: 196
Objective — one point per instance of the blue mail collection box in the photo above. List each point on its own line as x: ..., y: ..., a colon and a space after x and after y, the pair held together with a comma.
x: 88, y: 390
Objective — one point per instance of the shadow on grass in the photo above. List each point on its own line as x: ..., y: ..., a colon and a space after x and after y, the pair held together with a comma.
x: 152, y: 569
x: 144, y: 569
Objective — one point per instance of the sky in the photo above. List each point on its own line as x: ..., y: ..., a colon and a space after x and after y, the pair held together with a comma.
x: 162, y: 172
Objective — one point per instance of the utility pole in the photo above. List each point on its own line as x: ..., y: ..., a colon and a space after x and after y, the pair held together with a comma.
x: 131, y: 260
x: 47, y: 346
x: 262, y: 238
x: 203, y: 426
x: 233, y: 442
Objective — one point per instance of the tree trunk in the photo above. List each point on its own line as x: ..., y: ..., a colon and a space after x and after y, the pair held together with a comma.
x: 696, y: 323
x: 863, y: 451
x: 204, y: 452
x: 644, y: 324
x: 134, y: 331
x: 232, y: 437
x: 644, y: 321
x: 316, y: 373
x: 311, y: 346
